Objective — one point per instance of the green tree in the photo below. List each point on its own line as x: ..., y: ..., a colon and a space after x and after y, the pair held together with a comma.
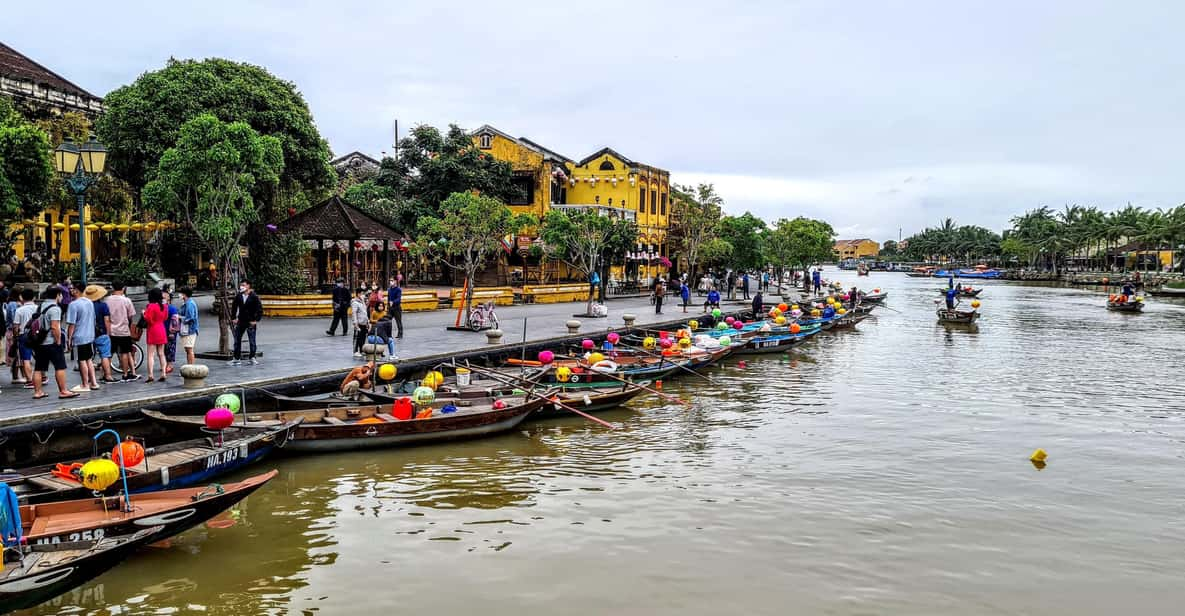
x: 744, y: 233
x: 889, y: 250
x: 582, y: 238
x: 467, y: 234
x: 26, y: 168
x: 695, y: 221
x: 208, y: 179
x: 798, y: 243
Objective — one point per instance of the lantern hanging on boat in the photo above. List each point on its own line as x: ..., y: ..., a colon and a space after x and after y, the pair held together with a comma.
x: 842, y: 310
x: 613, y: 337
x: 725, y: 340
x: 780, y: 320
x: 975, y: 303
x: 387, y: 372
x: 816, y: 312
x: 693, y: 324
x: 546, y: 357
x: 665, y: 343
x: 738, y: 325
x: 128, y: 453
x: 587, y: 344
x: 595, y: 358
x: 219, y: 418
x: 685, y: 342
x: 716, y: 312
x: 721, y: 326
x: 228, y: 401
x: 730, y: 320
x: 796, y: 313
x: 423, y: 395
x: 99, y: 474
x: 649, y: 342
x: 499, y: 405
x: 563, y: 373
x: 795, y: 328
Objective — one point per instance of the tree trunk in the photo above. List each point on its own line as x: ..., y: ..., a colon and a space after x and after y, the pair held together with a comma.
x: 222, y: 296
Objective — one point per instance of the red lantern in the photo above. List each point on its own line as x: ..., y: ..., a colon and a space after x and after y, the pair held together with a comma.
x: 374, y: 247
x: 291, y: 212
x: 128, y: 453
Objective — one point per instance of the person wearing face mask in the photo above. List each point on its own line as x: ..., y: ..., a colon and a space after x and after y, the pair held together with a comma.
x: 245, y: 312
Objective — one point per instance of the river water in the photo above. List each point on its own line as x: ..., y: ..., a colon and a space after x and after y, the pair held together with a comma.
x: 881, y: 471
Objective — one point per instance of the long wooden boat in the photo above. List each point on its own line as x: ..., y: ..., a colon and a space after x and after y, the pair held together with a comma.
x: 1167, y: 291
x: 956, y: 316
x: 33, y: 574
x: 774, y: 343
x: 592, y: 401
x: 965, y: 291
x: 1125, y: 306
x: 848, y: 321
x: 173, y: 465
x: 170, y: 511
x: 875, y: 298
x: 363, y: 426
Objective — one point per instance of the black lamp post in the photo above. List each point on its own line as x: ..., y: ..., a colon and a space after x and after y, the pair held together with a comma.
x: 82, y: 167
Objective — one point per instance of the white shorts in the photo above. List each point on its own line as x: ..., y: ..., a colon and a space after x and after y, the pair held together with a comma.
x: 188, y: 342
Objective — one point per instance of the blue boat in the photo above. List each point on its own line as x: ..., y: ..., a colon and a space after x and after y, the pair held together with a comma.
x: 969, y: 273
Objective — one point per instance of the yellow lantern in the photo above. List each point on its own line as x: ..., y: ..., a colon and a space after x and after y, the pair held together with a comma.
x: 108, y: 227
x: 387, y: 372
x: 594, y: 358
x: 59, y: 226
x: 75, y: 227
x: 649, y: 343
x: 123, y: 226
x: 693, y: 324
x: 685, y: 342
x: 842, y: 311
x: 815, y: 312
x: 29, y: 221
x: 99, y: 474
x: 150, y: 226
x: 975, y: 303
x: 794, y: 307
x: 137, y: 226
x: 563, y: 373
x: 42, y: 224
x: 780, y: 320
x: 93, y: 227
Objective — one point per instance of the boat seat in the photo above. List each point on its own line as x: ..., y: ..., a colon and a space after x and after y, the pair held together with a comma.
x: 385, y: 416
x: 39, y: 524
x: 329, y: 419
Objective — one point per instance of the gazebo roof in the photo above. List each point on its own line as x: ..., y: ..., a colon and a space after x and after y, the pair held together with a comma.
x: 335, y: 219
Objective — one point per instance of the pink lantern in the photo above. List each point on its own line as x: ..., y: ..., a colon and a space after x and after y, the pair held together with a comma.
x: 847, y: 296
x: 730, y: 320
x: 737, y: 325
x: 499, y: 405
x: 219, y: 419
x: 587, y: 344
x: 546, y: 357
x: 664, y: 335
x: 613, y: 337
x: 665, y: 343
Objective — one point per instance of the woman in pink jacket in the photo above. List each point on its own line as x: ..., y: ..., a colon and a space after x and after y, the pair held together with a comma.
x: 155, y: 314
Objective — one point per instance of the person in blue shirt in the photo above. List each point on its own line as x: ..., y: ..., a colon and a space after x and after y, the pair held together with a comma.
x: 684, y: 294
x: 745, y: 284
x: 713, y: 300
x: 1129, y: 290
x: 189, y: 323
x: 395, y: 306
x: 817, y: 279
x: 951, y: 295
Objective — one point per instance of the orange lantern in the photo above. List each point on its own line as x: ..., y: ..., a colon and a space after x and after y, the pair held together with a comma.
x: 128, y: 453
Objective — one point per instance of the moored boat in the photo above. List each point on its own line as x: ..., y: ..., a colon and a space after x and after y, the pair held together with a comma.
x: 1129, y: 306
x: 958, y: 317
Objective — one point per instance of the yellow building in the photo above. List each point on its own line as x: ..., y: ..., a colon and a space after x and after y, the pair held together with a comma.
x: 856, y: 249
x: 540, y: 175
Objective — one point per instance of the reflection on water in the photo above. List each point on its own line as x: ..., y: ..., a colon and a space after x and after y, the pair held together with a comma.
x: 878, y: 471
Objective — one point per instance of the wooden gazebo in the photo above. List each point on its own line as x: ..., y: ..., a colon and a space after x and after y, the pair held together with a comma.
x: 354, y: 240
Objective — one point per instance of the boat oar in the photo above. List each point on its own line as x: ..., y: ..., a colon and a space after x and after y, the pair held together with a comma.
x: 496, y: 376
x: 621, y: 380
x: 680, y: 366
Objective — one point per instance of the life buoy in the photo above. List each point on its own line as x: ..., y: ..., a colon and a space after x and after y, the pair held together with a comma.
x: 605, y: 366
x: 575, y: 378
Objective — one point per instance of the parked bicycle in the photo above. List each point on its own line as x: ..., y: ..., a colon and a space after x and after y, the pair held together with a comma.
x: 137, y: 359
x: 483, y: 317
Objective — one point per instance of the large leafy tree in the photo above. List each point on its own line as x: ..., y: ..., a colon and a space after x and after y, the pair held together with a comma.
x: 144, y: 119
x: 26, y: 169
x: 695, y: 221
x: 798, y: 243
x: 586, y: 240
x: 744, y: 233
x: 467, y: 234
x: 208, y: 179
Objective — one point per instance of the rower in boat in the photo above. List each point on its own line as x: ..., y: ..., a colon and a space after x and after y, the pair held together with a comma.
x: 758, y: 307
x: 1128, y: 289
x: 357, y: 379
x: 952, y: 294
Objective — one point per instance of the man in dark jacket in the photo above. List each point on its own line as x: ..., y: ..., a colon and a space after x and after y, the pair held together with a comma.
x: 395, y: 305
x: 341, y: 308
x: 245, y: 312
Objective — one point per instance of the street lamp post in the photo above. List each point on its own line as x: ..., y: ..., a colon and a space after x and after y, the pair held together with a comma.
x: 82, y: 167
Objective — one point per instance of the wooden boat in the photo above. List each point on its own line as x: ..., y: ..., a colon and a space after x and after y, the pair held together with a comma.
x: 1125, y: 306
x: 774, y: 343
x: 582, y: 376
x: 956, y: 316
x: 170, y: 511
x: 174, y: 465
x: 965, y: 291
x: 592, y: 401
x: 33, y: 574
x: 849, y: 320
x: 1167, y: 291
x: 363, y: 426
x: 874, y: 298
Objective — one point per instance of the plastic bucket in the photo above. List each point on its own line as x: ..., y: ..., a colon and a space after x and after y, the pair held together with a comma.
x: 463, y: 377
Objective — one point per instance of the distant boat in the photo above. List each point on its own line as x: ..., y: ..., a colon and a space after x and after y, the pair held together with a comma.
x: 970, y: 273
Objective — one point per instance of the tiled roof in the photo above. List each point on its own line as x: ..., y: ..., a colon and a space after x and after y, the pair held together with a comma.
x: 337, y: 220
x: 15, y: 65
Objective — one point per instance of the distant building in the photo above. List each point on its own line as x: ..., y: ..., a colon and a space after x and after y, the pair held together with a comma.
x: 40, y: 92
x: 354, y: 164
x: 855, y: 249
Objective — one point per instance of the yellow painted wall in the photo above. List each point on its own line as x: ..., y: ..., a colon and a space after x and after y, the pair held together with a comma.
x: 522, y: 158
x: 866, y: 248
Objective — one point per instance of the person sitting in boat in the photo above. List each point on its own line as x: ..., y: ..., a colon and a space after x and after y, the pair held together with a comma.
x: 952, y: 294
x: 828, y: 312
x: 358, y: 378
x: 1129, y: 290
x: 758, y: 307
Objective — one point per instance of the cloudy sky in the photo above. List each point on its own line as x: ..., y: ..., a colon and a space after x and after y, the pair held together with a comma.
x: 873, y: 115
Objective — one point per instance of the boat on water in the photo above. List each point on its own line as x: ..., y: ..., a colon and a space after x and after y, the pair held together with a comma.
x: 34, y: 574
x: 1125, y: 306
x: 338, y: 427
x: 966, y: 291
x: 920, y: 272
x: 173, y: 465
x: 875, y: 297
x: 986, y: 272
x: 774, y: 343
x: 956, y: 316
x: 1167, y: 291
x: 169, y: 511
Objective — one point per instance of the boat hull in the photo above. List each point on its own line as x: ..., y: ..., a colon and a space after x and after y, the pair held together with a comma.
x: 1127, y: 307
x: 411, y: 432
x: 956, y: 317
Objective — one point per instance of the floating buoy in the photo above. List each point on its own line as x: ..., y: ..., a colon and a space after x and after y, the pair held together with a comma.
x: 1038, y: 456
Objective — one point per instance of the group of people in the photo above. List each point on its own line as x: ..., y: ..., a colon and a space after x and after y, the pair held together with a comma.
x: 98, y: 327
x: 375, y: 317
x: 734, y: 281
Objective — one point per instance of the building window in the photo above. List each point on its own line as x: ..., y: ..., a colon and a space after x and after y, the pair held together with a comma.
x: 597, y: 199
x: 610, y: 201
x: 485, y: 141
x: 523, y: 191
x: 606, y: 165
x: 642, y: 201
x: 663, y: 205
x: 653, y: 202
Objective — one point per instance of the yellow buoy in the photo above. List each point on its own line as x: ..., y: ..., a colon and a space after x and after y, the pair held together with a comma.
x: 1038, y: 456
x: 387, y: 372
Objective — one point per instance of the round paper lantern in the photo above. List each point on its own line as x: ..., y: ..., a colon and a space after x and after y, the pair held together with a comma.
x: 842, y: 311
x: 99, y: 474
x: 730, y: 320
x: 783, y: 307
x: 59, y: 226
x: 499, y: 405
x: 108, y: 227
x: 546, y: 357
x: 136, y: 226
x: 563, y: 373
x: 423, y: 395
x: 847, y: 297
x: 665, y: 343
x: 796, y: 313
x: 219, y: 418
x: 649, y: 342
x: 795, y: 328
x: 593, y: 358
x: 228, y: 401
x: 816, y: 312
x: 725, y: 340
x: 685, y: 342
x: 975, y: 303
x: 794, y: 307
x: 876, y: 290
x: 587, y: 344
x: 75, y: 227
x: 123, y: 226
x: 775, y: 313
x: 716, y: 312
x: 613, y: 337
x: 693, y: 324
x: 781, y: 320
x: 150, y: 226
x: 387, y: 371
x: 128, y: 453
x: 663, y: 335
x: 721, y: 326
x: 737, y: 325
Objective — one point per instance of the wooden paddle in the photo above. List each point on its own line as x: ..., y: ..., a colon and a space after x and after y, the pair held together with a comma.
x: 621, y: 380
x: 495, y: 375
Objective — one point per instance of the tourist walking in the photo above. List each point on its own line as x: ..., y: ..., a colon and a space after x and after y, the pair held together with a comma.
x: 21, y: 318
x: 95, y: 294
x: 156, y: 334
x: 80, y: 332
x: 360, y: 319
x: 745, y: 284
x: 123, y: 314
x: 395, y: 305
x: 660, y: 290
x: 684, y: 294
x: 47, y: 345
x: 245, y: 314
x: 189, y: 323
x: 341, y: 308
x: 817, y: 280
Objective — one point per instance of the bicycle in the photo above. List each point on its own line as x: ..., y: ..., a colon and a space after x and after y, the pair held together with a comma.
x: 483, y: 317
x: 137, y: 359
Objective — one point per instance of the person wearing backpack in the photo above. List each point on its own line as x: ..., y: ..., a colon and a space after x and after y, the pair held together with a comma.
x: 45, y: 333
x: 20, y: 321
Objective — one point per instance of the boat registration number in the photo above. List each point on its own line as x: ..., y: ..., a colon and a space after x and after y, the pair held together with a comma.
x: 226, y: 457
x: 86, y: 535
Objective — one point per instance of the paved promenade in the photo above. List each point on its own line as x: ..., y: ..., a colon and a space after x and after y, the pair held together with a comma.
x: 299, y: 348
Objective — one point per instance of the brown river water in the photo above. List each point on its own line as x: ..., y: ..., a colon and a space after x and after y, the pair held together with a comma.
x: 881, y: 471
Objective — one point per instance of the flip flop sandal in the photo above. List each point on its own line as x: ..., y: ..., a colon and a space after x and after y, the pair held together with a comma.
x: 36, y: 397
x: 72, y: 395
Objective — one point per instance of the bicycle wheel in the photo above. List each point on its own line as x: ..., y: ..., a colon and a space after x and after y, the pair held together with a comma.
x: 137, y: 356
x: 475, y: 321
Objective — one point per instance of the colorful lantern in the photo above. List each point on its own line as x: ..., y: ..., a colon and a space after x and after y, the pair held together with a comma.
x: 387, y: 372
x: 729, y: 320
x: 423, y: 395
x: 128, y: 453
x: 780, y: 320
x: 587, y: 344
x: 716, y: 312
x: 725, y: 340
x: 649, y: 342
x: 563, y: 373
x: 738, y: 325
x: 685, y: 342
x: 613, y: 337
x: 99, y: 474
x: 975, y: 303
x: 499, y: 405
x: 546, y: 357
x: 594, y: 358
x: 665, y: 343
x: 816, y: 312
x: 693, y: 324
x: 795, y: 328
x: 228, y: 401
x: 219, y: 418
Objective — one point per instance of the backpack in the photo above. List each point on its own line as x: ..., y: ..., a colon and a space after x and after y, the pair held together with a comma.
x: 35, y: 331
